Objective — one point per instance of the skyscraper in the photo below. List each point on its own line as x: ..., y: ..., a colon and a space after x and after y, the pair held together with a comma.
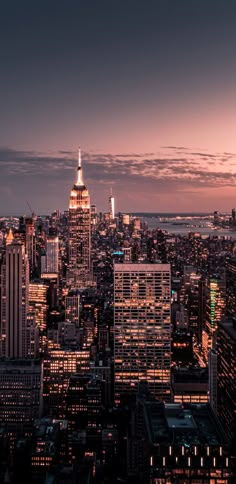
x: 78, y: 272
x: 226, y: 366
x: 15, y: 335
x: 215, y: 307
x: 30, y: 243
x: 38, y: 307
x: 212, y: 376
x: 142, y: 329
x: 230, y: 278
x: 111, y: 206
x: 52, y: 254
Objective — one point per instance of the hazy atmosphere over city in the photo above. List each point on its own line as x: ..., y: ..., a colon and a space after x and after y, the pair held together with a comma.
x: 117, y: 242
x: 147, y: 88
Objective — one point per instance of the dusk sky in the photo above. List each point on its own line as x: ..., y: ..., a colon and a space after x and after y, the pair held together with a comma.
x: 147, y: 88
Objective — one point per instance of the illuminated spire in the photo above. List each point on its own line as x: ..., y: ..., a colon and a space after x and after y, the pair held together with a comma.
x: 79, y: 181
x: 9, y: 237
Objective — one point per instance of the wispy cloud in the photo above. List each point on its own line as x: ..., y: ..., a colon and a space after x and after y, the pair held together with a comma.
x: 175, y: 170
x: 169, y: 164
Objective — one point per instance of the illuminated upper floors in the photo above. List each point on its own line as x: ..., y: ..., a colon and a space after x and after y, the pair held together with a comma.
x: 158, y: 380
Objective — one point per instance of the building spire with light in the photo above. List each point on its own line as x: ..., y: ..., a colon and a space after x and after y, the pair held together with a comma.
x: 9, y: 237
x: 79, y: 233
x: 79, y: 181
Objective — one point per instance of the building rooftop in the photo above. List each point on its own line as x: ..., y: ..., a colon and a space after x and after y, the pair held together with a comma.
x: 181, y: 421
x: 178, y: 424
x: 142, y: 267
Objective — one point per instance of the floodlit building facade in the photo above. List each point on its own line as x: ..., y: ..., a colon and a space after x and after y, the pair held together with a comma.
x: 78, y: 272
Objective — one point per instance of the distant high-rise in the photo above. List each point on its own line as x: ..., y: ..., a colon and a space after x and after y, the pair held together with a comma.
x: 30, y: 246
x: 52, y: 254
x: 78, y: 272
x: 215, y: 307
x: 142, y: 329
x: 230, y: 278
x: 15, y: 335
x: 111, y: 206
x: 38, y: 307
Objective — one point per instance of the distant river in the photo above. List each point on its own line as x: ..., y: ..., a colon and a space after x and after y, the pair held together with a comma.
x: 182, y: 226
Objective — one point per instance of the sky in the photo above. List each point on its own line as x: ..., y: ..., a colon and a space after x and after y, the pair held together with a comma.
x: 147, y: 88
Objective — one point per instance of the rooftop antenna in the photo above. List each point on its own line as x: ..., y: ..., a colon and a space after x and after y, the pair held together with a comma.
x: 79, y: 170
x: 79, y: 157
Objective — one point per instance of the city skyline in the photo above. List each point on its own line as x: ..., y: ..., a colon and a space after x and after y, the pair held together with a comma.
x: 148, y: 91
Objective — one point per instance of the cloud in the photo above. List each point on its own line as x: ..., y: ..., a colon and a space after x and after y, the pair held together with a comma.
x: 150, y: 167
x: 170, y: 170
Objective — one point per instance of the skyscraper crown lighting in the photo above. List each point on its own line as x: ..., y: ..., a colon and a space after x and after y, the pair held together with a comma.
x: 78, y: 273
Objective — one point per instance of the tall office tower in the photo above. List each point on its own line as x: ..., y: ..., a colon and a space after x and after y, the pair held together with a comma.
x: 215, y: 307
x: 111, y: 206
x: 15, y: 337
x: 30, y: 244
x: 190, y: 296
x: 226, y: 367
x: 212, y: 378
x: 78, y: 272
x: 142, y: 329
x: 38, y: 307
x: 52, y: 254
x: 230, y: 279
x: 202, y: 308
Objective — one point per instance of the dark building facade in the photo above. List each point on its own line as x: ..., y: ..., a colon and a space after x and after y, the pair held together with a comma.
x: 226, y: 366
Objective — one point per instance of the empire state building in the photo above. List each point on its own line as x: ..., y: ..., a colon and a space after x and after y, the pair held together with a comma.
x: 78, y: 272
